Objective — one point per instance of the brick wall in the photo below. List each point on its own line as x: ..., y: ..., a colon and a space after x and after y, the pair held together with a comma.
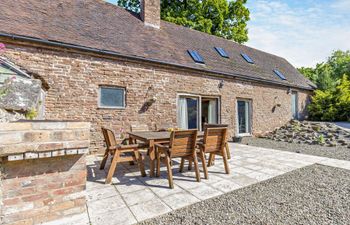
x: 74, y: 80
x: 43, y: 171
x: 40, y: 190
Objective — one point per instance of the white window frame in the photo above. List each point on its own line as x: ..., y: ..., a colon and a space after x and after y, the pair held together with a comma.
x: 250, y: 117
x: 199, y: 106
x: 111, y: 87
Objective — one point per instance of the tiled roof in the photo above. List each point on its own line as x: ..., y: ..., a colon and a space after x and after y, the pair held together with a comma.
x: 100, y: 25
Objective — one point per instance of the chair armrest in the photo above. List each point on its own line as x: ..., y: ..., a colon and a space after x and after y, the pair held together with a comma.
x: 113, y: 147
x: 162, y: 147
x: 132, y: 146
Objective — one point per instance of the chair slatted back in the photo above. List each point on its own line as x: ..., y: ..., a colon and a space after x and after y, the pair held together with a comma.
x: 139, y: 127
x: 109, y: 137
x: 164, y: 126
x: 215, y: 139
x: 213, y: 125
x: 183, y: 143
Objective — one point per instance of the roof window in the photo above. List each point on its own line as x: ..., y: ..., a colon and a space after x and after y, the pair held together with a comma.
x: 279, y: 74
x: 196, y: 56
x: 247, y: 58
x: 222, y: 52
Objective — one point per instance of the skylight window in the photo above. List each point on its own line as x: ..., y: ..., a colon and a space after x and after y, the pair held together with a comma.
x: 222, y: 52
x: 279, y: 74
x: 196, y: 56
x: 247, y: 58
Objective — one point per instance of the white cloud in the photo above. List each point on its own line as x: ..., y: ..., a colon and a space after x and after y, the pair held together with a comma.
x: 304, y: 36
x: 343, y: 5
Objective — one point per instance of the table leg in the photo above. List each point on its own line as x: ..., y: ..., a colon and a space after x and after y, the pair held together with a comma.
x: 152, y: 157
x: 131, y: 141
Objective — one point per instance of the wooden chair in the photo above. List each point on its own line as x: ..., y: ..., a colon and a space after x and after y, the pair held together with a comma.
x: 164, y: 126
x: 208, y: 125
x: 120, y: 153
x: 182, y: 145
x: 214, y: 142
x: 139, y: 127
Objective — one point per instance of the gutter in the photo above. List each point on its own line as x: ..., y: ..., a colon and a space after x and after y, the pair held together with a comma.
x: 132, y: 57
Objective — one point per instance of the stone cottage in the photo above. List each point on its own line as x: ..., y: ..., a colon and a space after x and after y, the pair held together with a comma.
x: 105, y: 65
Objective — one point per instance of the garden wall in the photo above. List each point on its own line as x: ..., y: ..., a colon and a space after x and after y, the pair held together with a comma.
x: 43, y: 170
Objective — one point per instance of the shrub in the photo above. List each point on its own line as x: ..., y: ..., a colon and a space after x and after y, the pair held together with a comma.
x: 331, y: 105
x: 31, y: 114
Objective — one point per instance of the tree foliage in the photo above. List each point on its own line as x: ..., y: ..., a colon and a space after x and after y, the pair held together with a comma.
x: 327, y: 75
x: 223, y: 18
x: 331, y: 102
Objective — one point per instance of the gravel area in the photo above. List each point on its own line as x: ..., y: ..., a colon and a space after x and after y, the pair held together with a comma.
x: 312, y: 195
x: 338, y: 152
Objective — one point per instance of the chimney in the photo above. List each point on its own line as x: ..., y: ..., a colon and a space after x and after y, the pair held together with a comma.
x: 150, y: 13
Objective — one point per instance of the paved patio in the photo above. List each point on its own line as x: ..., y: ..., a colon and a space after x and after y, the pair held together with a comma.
x: 133, y: 198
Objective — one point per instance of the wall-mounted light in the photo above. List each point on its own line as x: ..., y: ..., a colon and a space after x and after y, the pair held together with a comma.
x: 289, y: 91
x: 221, y: 84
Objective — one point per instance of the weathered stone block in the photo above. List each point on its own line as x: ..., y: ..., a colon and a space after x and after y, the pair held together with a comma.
x: 36, y: 136
x: 10, y: 137
x: 49, y: 125
x: 77, y: 125
x: 31, y: 155
x: 83, y: 151
x: 76, y: 144
x: 15, y: 157
x: 21, y: 95
x: 71, y: 152
x: 45, y: 154
x: 15, y: 126
x: 58, y: 153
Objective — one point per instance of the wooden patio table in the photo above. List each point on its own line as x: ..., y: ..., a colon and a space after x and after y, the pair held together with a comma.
x: 151, y: 138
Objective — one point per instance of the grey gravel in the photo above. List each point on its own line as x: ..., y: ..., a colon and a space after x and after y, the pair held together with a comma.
x: 338, y: 152
x: 315, y: 194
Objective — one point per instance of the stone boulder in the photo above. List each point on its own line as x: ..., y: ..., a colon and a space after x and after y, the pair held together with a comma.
x: 312, y: 133
x: 20, y: 95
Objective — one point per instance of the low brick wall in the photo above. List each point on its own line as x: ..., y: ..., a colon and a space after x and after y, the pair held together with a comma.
x: 43, y: 171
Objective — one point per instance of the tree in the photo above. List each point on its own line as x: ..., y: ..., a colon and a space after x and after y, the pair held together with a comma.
x: 342, y: 99
x: 327, y: 75
x: 223, y: 18
x: 331, y: 101
x: 322, y: 107
x: 333, y: 104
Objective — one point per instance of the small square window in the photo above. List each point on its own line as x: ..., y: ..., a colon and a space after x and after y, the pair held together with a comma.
x: 111, y: 97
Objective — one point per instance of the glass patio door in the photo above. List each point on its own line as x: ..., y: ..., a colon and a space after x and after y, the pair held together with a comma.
x: 187, y: 112
x: 243, y: 117
x: 210, y: 111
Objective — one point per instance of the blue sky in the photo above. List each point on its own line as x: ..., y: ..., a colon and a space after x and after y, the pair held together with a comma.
x: 305, y: 32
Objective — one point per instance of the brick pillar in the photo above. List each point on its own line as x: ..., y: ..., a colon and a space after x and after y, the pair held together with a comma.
x: 150, y: 13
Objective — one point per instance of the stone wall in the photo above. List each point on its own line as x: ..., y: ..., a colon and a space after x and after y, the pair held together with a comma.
x: 43, y: 171
x: 74, y: 79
